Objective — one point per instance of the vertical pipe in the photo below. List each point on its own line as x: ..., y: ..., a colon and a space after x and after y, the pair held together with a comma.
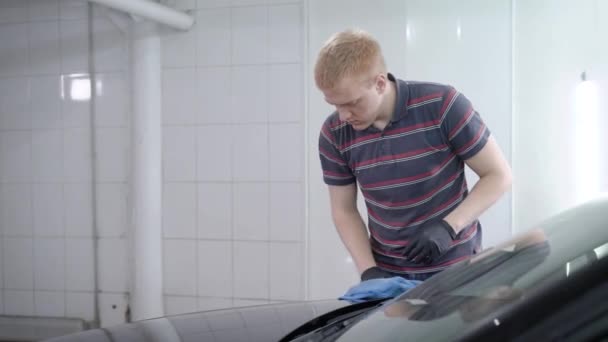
x: 93, y: 147
x: 146, y: 175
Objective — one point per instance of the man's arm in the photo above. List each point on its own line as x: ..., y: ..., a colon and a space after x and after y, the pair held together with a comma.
x: 494, y: 180
x: 350, y: 226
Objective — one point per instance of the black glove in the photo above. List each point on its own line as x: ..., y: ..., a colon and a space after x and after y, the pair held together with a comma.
x: 375, y: 272
x: 429, y: 242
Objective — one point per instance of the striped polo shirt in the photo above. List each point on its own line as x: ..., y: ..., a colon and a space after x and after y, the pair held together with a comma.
x: 411, y: 172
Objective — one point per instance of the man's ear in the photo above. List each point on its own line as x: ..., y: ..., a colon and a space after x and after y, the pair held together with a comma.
x: 381, y: 83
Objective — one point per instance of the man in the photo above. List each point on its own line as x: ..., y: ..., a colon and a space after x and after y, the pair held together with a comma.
x: 406, y: 144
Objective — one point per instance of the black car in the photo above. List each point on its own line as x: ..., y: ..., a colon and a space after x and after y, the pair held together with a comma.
x: 549, y: 283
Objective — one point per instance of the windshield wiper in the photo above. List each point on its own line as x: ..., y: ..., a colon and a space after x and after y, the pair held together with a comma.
x: 332, y: 321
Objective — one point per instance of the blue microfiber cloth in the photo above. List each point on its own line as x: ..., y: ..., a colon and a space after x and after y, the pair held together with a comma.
x: 378, y: 289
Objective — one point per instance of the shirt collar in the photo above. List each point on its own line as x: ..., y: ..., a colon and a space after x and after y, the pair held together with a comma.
x: 401, y: 99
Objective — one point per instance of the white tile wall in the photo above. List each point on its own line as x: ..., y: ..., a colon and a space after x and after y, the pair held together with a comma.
x: 18, y: 303
x: 74, y: 46
x: 215, y: 210
x: 175, y: 305
x: 179, y: 96
x: 77, y: 155
x: 49, y: 264
x: 18, y: 259
x: 48, y: 208
x: 286, y: 150
x: 13, y: 15
x: 249, y: 94
x: 285, y: 34
x: 179, y: 153
x: 213, y: 303
x: 44, y: 48
x: 14, y: 103
x: 110, y: 46
x: 248, y: 109
x: 14, y: 49
x: 286, y: 212
x: 112, y: 265
x: 16, y: 156
x: 47, y: 156
x: 214, y: 153
x: 251, y: 269
x: 43, y: 10
x: 112, y: 154
x: 179, y: 268
x: 218, y: 89
x: 112, y: 308
x: 179, y: 210
x: 46, y: 214
x: 213, y: 37
x: 285, y: 103
x: 80, y: 304
x: 251, y: 211
x: 16, y: 210
x: 249, y: 35
x: 214, y: 87
x: 212, y: 3
x: 185, y: 43
x: 112, y: 210
x: 49, y: 304
x: 215, y: 269
x: 45, y: 92
x: 111, y: 103
x: 79, y: 273
x: 78, y: 209
x: 286, y: 271
x: 250, y: 153
x: 72, y: 9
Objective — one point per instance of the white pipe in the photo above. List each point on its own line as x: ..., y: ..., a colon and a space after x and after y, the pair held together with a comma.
x: 151, y: 10
x: 146, y: 295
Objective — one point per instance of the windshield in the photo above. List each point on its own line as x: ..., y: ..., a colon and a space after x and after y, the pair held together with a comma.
x: 469, y: 292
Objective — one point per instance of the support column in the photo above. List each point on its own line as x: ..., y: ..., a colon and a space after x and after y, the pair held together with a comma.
x: 146, y: 172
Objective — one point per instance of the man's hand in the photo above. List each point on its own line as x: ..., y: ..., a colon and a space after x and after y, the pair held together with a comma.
x: 375, y: 273
x: 430, y: 241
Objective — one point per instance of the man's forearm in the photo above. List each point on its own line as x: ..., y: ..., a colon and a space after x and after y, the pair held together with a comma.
x: 353, y: 233
x: 486, y: 192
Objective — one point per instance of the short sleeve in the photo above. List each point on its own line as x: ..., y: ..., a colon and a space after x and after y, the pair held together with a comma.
x: 335, y: 169
x: 462, y: 125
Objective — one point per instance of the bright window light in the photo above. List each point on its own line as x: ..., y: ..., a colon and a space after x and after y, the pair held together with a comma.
x: 80, y: 89
x: 587, y: 156
x: 76, y: 87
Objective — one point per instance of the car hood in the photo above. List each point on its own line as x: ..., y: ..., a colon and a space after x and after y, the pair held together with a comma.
x: 255, y: 323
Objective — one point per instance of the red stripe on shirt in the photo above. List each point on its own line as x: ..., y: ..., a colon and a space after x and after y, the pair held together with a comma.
x: 417, y: 199
x: 328, y: 134
x: 447, y: 101
x: 472, y: 141
x: 461, y: 122
x: 411, y: 128
x: 331, y: 157
x: 446, y: 204
x: 411, y: 178
x: 399, y: 156
x: 424, y: 98
x: 336, y: 174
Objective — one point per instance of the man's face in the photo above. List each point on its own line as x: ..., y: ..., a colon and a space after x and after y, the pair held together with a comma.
x: 356, y: 100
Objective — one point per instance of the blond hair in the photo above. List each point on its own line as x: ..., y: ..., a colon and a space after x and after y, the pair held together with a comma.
x: 352, y: 52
